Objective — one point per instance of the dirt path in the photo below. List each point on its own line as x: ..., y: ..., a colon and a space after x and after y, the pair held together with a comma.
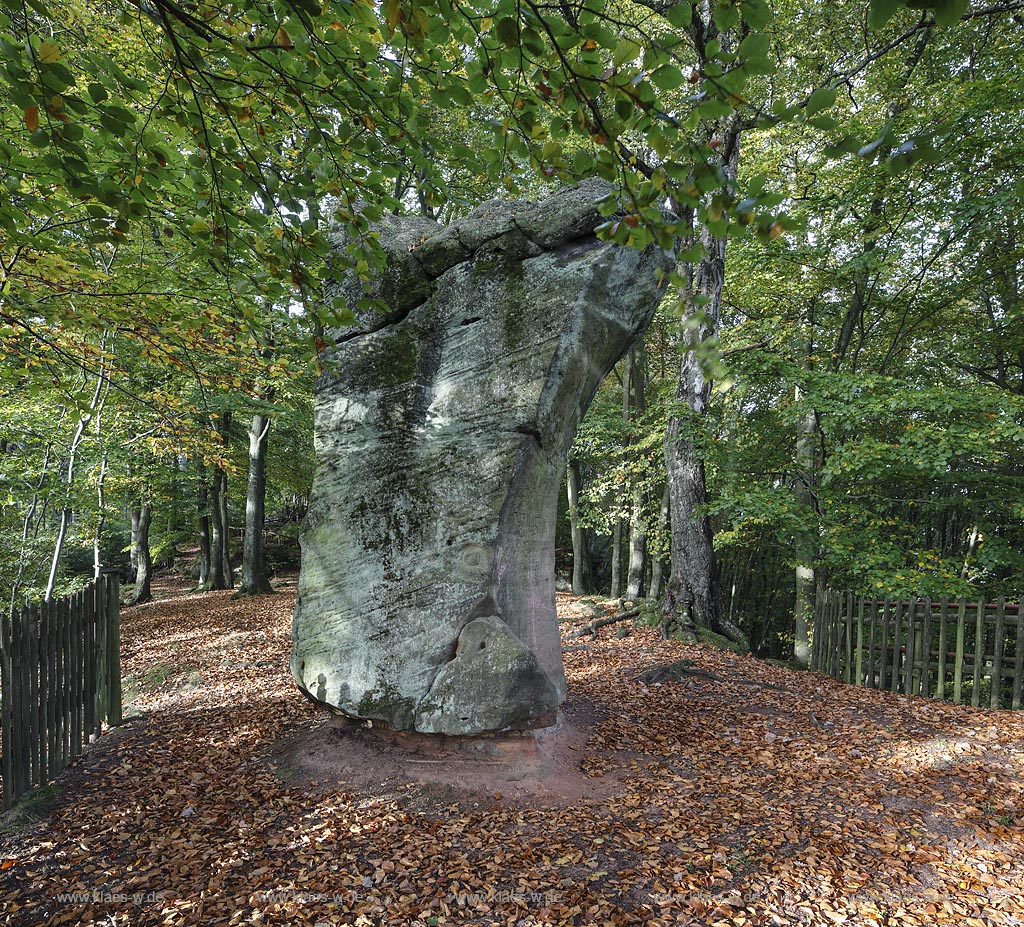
x: 744, y: 795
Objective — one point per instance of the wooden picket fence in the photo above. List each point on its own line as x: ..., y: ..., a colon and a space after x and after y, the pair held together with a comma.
x: 955, y: 650
x: 60, y: 677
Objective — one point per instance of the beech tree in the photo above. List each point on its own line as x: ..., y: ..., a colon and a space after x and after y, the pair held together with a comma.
x: 169, y: 173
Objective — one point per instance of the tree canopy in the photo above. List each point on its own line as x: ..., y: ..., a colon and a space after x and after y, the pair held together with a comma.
x: 170, y: 171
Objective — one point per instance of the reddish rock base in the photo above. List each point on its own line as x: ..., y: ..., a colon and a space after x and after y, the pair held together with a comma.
x: 506, y: 747
x: 538, y: 767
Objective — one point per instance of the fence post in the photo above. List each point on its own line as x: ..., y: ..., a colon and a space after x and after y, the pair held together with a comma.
x: 65, y: 683
x: 52, y: 685
x: 883, y: 652
x: 22, y: 769
x: 840, y: 626
x: 833, y: 638
x: 908, y: 647
x: 15, y: 746
x: 823, y: 631
x: 909, y: 677
x: 112, y: 616
x: 915, y: 643
x: 902, y: 660
x: 958, y: 659
x: 997, y: 654
x: 872, y: 623
x: 836, y: 639
x: 816, y: 633
x: 1018, y: 658
x: 848, y: 631
x: 816, y: 629
x: 897, y: 644
x: 6, y: 708
x: 19, y: 749
x: 860, y: 641
x: 828, y: 635
x: 93, y: 604
x: 924, y: 683
x: 841, y: 640
x: 76, y: 674
x: 940, y: 670
x: 37, y: 662
x: 979, y: 652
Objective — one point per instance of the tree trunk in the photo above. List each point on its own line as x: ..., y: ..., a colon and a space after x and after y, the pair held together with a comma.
x: 657, y: 565
x: 98, y: 398
x: 637, y: 549
x: 616, y: 590
x: 97, y: 557
x: 204, y: 534
x: 225, y: 538
x: 144, y: 559
x: 972, y: 547
x: 133, y: 555
x: 30, y: 526
x: 216, y: 578
x: 637, y: 387
x: 220, y: 576
x: 694, y: 590
x: 254, y: 579
x: 616, y: 586
x: 693, y: 593
x: 582, y: 574
x: 804, y: 490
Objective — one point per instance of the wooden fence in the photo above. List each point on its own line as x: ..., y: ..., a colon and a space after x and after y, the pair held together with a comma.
x: 61, y: 676
x: 959, y: 651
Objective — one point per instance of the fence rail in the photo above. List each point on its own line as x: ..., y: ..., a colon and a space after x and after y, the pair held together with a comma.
x: 955, y: 650
x: 60, y: 677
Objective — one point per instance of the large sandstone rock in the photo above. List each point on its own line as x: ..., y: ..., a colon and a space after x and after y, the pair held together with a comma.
x: 427, y: 591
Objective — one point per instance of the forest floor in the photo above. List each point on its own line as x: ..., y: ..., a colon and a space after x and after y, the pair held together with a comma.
x: 744, y: 794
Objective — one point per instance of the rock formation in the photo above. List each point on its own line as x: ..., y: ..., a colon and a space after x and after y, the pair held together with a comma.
x: 427, y: 591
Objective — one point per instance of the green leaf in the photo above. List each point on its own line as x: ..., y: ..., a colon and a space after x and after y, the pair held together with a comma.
x: 846, y: 145
x: 714, y: 108
x: 823, y: 122
x: 530, y: 40
x: 755, y: 45
x: 120, y: 114
x: 949, y: 12
x: 881, y: 12
x: 57, y: 77
x: 694, y: 253
x: 759, y: 66
x: 49, y: 53
x: 726, y: 15
x: 392, y: 10
x: 507, y: 32
x: 820, y: 99
x: 668, y: 77
x: 71, y: 132
x: 114, y: 126
x: 552, y: 151
x: 756, y: 13
x: 680, y: 15
x: 626, y: 51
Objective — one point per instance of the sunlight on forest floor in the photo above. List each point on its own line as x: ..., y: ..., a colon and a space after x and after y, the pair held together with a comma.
x: 745, y: 794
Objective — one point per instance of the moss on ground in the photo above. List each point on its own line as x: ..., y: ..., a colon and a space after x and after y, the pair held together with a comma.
x: 31, y: 808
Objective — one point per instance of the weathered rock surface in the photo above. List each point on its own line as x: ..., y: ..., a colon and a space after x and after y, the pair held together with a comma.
x: 426, y: 596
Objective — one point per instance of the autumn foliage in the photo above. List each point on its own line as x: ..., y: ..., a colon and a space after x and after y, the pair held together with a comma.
x: 743, y: 794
